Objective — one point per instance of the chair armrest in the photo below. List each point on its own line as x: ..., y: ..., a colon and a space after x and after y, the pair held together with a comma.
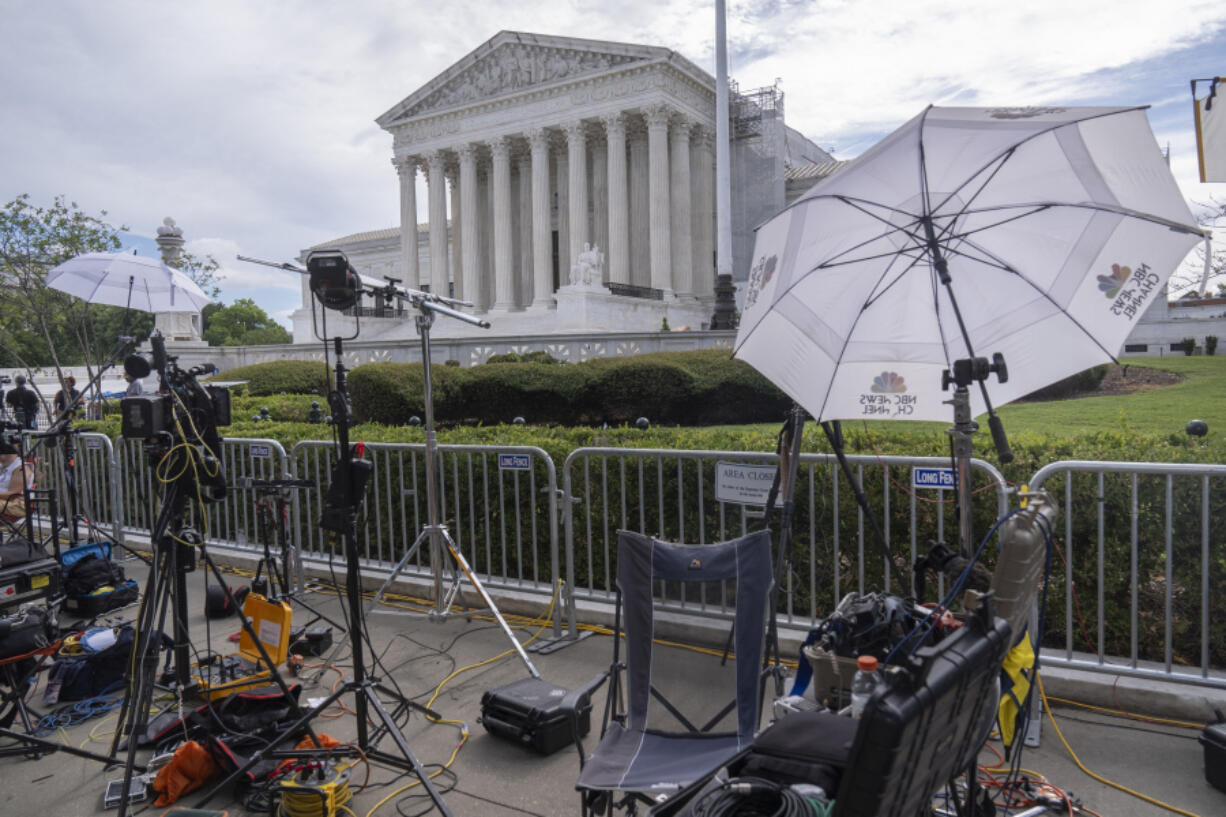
x: 570, y: 704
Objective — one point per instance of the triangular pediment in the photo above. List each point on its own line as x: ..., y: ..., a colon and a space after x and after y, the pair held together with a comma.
x: 512, y: 62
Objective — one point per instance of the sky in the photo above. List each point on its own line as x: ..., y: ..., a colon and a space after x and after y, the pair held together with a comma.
x: 252, y: 124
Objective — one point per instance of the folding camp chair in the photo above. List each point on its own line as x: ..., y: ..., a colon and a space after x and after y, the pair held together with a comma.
x: 633, y: 758
x: 922, y: 729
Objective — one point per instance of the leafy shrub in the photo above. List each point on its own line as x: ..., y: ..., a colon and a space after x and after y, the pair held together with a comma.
x: 535, y: 356
x: 391, y: 393
x: 1210, y: 344
x: 671, y: 388
x: 1189, y: 346
x: 281, y: 376
x: 1084, y: 381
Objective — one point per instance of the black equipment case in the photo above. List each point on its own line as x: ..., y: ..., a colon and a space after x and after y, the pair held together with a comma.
x: 29, y: 582
x: 114, y: 591
x: 1214, y: 741
x: 529, y: 712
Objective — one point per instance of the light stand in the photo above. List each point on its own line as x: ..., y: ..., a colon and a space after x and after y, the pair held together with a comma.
x: 964, y: 372
x: 435, y: 531
x: 336, y: 286
x: 61, y: 426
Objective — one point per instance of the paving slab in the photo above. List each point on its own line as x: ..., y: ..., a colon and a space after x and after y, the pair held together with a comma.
x: 495, y: 777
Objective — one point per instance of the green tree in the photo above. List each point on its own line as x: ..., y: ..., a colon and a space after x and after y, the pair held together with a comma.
x: 243, y: 323
x: 203, y: 271
x: 40, y: 326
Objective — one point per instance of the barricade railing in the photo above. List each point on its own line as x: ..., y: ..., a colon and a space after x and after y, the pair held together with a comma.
x: 500, y: 504
x: 96, y: 485
x: 711, y: 496
x: 232, y: 522
x: 1124, y: 582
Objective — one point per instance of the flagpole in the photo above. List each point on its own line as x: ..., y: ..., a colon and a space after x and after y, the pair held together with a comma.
x: 725, y: 316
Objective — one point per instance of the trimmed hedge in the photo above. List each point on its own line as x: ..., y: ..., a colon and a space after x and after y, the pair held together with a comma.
x: 669, y: 388
x: 1078, y: 384
x: 281, y: 377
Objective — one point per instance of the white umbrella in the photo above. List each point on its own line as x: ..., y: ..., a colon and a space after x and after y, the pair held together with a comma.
x: 1041, y: 234
x: 123, y: 279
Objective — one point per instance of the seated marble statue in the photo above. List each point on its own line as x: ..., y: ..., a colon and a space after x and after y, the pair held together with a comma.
x: 588, y: 269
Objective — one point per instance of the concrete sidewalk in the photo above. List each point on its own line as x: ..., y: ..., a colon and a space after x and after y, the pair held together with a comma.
x: 495, y: 777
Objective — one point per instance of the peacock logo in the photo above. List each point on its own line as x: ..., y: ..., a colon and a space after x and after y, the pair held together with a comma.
x: 889, y: 383
x: 1111, y: 284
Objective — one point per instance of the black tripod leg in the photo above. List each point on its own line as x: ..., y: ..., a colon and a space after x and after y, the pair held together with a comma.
x: 145, y: 671
x: 407, y: 753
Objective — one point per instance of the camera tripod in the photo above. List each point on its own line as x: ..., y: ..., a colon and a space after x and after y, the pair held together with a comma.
x: 165, y: 591
x: 284, y: 579
x: 341, y: 512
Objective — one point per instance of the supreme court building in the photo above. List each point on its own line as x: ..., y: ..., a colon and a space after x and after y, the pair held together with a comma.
x: 571, y: 187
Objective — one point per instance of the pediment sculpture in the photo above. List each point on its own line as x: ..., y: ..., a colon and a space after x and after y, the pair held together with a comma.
x: 514, y: 67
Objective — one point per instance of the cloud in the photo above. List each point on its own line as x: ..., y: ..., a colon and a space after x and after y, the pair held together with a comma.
x: 252, y: 123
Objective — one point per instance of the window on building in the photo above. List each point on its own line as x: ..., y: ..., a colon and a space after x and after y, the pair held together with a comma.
x: 1136, y: 347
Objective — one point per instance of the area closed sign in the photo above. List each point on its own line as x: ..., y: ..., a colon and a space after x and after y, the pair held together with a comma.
x: 743, y: 484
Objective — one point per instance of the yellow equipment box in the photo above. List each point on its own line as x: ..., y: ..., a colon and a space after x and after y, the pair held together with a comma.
x: 246, y: 670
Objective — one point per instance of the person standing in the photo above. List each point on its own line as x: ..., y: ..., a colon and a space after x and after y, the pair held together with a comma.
x: 23, y: 402
x: 68, y: 396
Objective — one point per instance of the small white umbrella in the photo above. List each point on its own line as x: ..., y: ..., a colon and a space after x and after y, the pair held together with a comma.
x: 1042, y: 234
x: 123, y: 279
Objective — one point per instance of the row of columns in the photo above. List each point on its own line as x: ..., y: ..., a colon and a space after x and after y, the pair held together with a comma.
x: 651, y: 203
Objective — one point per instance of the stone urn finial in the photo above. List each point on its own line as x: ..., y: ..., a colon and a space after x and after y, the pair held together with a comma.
x: 170, y: 242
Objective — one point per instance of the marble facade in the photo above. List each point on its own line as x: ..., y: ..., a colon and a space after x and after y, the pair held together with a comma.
x: 532, y: 147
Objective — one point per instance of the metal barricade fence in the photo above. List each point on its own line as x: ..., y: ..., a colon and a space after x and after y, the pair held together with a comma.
x: 500, y: 504
x: 674, y: 495
x: 97, y: 483
x: 233, y: 521
x: 1124, y: 583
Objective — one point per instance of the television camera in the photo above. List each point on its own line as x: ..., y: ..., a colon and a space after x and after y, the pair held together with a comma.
x: 179, y: 425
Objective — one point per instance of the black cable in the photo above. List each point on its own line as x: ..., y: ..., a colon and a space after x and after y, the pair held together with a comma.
x: 752, y: 797
x: 450, y: 781
x: 506, y: 806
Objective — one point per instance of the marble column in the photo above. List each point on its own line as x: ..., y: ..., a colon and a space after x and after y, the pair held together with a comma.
x: 542, y: 240
x: 640, y: 246
x: 660, y: 226
x: 562, y: 186
x: 702, y: 164
x: 454, y: 274
x: 504, y: 260
x: 438, y: 222
x: 679, y: 177
x: 523, y: 236
x: 618, y: 251
x: 406, y: 168
x: 600, y: 199
x: 576, y: 188
x: 470, y: 270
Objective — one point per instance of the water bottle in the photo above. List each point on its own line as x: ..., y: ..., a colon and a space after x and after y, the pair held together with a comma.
x: 863, y: 683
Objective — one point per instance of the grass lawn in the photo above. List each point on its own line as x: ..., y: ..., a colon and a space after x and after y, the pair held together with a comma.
x: 1202, y: 396
x: 1166, y: 410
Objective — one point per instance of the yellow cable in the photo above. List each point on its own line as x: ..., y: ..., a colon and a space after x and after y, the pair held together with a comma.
x: 1099, y: 778
x: 1126, y: 714
x: 463, y: 727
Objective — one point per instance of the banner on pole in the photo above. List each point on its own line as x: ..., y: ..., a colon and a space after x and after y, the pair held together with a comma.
x: 1210, y: 115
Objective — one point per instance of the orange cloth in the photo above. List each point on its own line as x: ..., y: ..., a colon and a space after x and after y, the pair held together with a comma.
x: 187, y: 771
x: 326, y: 741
